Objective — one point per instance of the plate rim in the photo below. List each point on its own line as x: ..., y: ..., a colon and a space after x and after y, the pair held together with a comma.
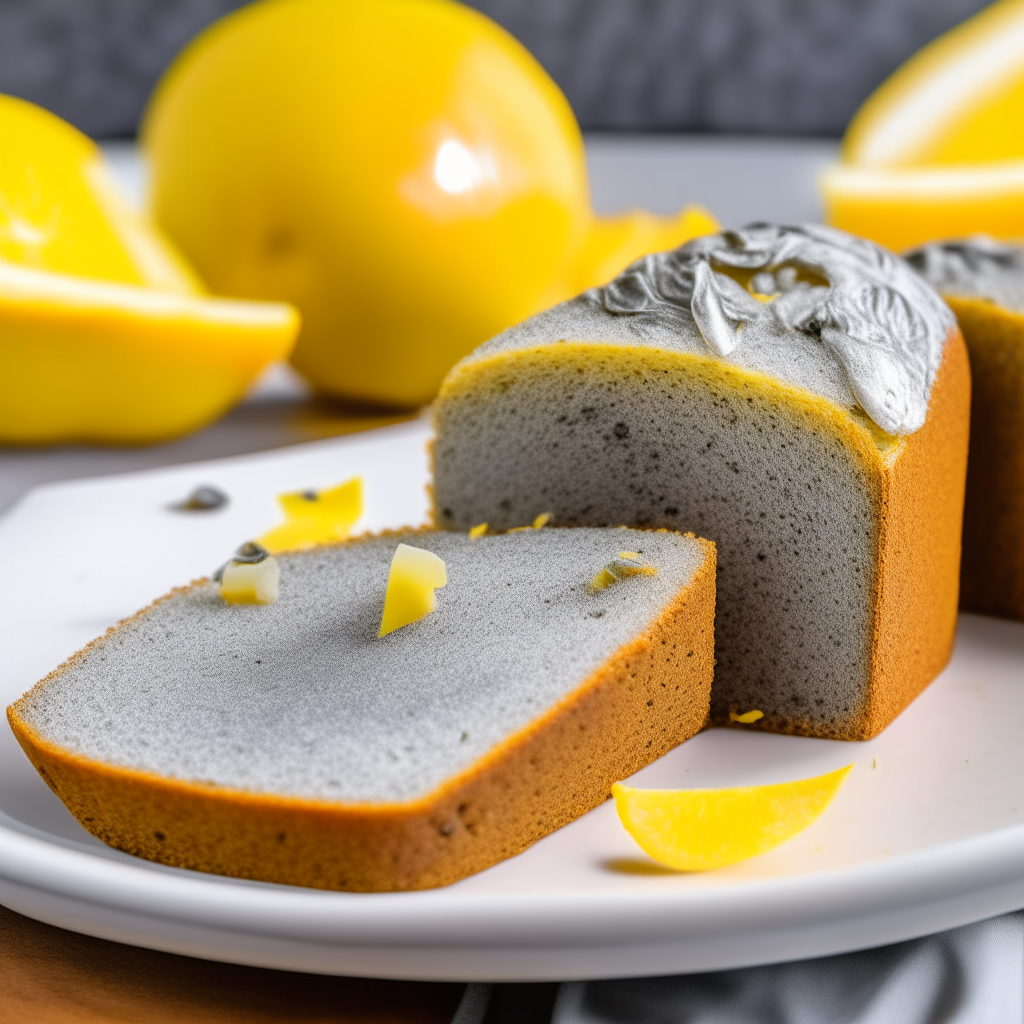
x: 893, y: 898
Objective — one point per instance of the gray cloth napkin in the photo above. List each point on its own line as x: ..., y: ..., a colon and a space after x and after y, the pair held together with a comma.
x: 970, y: 975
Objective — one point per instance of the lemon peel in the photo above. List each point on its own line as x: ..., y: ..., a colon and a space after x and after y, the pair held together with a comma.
x: 701, y: 829
x: 316, y: 517
x: 747, y: 717
x: 477, y: 531
x: 538, y: 523
x: 415, y: 574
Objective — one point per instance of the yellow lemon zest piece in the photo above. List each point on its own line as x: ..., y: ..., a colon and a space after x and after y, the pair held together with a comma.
x: 603, y: 579
x: 700, y: 829
x: 478, y: 531
x: 316, y: 517
x: 542, y: 520
x: 633, y: 556
x: 746, y: 718
x: 616, y: 570
x: 414, y: 575
x: 249, y: 583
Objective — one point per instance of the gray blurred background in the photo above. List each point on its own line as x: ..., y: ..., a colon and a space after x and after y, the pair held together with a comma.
x: 790, y: 67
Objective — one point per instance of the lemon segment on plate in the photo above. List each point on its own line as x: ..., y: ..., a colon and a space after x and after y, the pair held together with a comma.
x: 316, y: 517
x: 700, y: 829
x: 106, y: 335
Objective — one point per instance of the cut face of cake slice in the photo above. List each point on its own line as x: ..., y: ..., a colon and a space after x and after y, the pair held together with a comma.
x: 983, y: 282
x: 288, y: 742
x: 794, y: 394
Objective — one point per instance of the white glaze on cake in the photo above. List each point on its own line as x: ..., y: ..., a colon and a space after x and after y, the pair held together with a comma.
x: 850, y: 321
x: 977, y: 267
x: 301, y: 698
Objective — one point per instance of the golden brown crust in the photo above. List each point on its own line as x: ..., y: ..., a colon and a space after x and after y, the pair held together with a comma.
x: 992, y: 572
x: 652, y: 694
x: 919, y: 547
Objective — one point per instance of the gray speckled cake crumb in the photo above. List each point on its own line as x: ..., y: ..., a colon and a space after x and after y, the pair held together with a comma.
x: 301, y: 698
x: 977, y: 267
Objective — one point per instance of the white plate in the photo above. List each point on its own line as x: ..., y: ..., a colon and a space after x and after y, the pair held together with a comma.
x: 926, y: 834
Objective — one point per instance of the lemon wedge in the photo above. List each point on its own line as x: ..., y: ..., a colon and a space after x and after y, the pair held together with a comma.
x: 415, y: 574
x: 958, y: 100
x: 700, y: 829
x: 902, y: 207
x: 937, y: 151
x: 60, y: 209
x: 105, y: 333
x: 316, y: 517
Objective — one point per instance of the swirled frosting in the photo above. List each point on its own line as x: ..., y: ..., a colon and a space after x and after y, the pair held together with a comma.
x: 883, y: 324
x: 977, y: 267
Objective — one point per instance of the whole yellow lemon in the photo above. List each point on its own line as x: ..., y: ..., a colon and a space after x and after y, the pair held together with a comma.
x: 403, y: 171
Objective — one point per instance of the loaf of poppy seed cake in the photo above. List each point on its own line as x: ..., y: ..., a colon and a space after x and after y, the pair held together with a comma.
x: 983, y: 282
x: 798, y: 396
x: 288, y: 743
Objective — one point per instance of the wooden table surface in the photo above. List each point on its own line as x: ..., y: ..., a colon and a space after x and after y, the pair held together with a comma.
x: 52, y: 976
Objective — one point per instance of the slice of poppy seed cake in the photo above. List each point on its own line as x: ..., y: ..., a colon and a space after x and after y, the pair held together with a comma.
x: 289, y: 742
